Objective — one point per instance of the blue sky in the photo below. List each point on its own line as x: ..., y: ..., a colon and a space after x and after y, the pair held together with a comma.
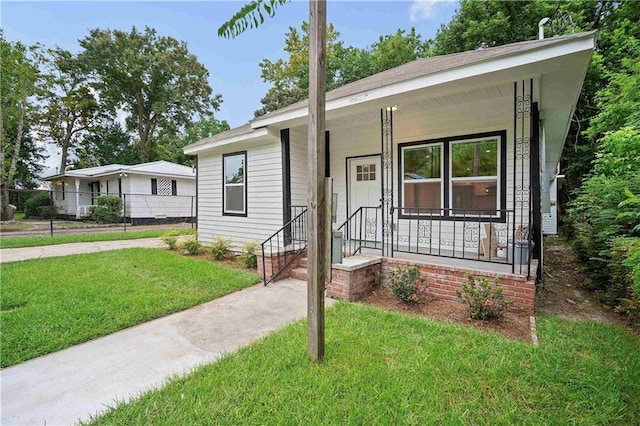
x: 233, y: 64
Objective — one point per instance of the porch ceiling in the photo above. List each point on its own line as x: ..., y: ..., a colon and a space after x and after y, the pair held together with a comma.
x: 424, y: 115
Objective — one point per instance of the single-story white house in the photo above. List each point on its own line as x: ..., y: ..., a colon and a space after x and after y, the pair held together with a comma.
x: 440, y: 160
x: 154, y: 191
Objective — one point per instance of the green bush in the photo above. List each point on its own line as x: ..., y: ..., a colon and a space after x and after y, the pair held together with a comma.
x: 484, y: 300
x: 108, y: 209
x: 170, y: 238
x: 248, y: 254
x: 38, y: 206
x: 407, y: 284
x: 625, y: 275
x: 191, y: 246
x: 220, y: 248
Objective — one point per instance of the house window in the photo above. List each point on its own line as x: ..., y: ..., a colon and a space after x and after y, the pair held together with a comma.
x: 422, y: 178
x: 366, y: 172
x: 164, y: 187
x: 474, y: 175
x: 454, y: 176
x: 60, y: 191
x: 234, y: 184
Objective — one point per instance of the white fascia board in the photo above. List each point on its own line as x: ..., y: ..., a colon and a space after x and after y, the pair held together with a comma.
x: 256, y: 134
x: 473, y: 70
x: 143, y: 173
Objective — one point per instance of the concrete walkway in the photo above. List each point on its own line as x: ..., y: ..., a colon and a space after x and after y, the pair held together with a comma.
x: 26, y: 253
x: 72, y: 384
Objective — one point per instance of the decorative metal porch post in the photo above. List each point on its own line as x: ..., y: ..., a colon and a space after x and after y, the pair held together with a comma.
x: 386, y: 181
x: 522, y: 104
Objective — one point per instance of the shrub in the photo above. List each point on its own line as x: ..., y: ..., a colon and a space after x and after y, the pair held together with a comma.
x: 406, y: 284
x: 248, y: 254
x: 191, y: 246
x: 484, y: 300
x: 220, y: 248
x: 38, y: 206
x: 625, y: 275
x: 108, y: 209
x: 170, y: 238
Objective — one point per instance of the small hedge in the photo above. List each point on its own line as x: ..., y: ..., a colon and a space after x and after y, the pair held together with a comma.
x: 38, y: 206
x: 108, y: 209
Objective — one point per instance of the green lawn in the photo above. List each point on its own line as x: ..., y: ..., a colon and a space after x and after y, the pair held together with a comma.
x: 50, y: 304
x: 384, y: 368
x: 84, y: 238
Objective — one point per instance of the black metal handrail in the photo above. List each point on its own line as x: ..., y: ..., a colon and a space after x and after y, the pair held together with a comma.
x: 361, y: 230
x: 290, y: 241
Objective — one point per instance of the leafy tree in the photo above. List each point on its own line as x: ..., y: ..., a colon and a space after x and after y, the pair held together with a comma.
x: 250, y: 16
x: 70, y: 107
x: 290, y: 76
x: 19, y: 77
x: 153, y: 78
x: 170, y: 149
x: 396, y: 49
x: 105, y: 144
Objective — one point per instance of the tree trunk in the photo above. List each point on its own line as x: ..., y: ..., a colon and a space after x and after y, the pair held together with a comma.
x: 7, y: 183
x: 16, y: 150
x: 4, y: 194
x: 63, y: 158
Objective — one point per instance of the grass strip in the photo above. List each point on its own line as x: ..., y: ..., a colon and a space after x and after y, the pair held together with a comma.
x: 389, y: 368
x: 51, y: 304
x: 84, y: 238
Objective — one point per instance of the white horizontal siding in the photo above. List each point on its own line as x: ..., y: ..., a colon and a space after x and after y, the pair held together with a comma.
x: 264, y: 197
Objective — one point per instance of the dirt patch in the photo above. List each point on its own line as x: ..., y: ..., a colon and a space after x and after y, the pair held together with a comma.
x: 513, y: 326
x: 561, y: 291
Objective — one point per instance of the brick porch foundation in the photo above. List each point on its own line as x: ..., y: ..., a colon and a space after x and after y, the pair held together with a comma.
x: 443, y: 281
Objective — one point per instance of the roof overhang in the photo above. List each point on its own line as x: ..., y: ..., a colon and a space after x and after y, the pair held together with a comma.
x: 250, y: 136
x: 517, y: 64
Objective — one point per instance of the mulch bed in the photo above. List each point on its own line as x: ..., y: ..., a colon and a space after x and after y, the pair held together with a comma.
x: 513, y: 326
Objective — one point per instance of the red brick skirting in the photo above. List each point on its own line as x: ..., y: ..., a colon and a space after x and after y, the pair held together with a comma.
x: 353, y: 284
x: 443, y: 281
x: 272, y: 264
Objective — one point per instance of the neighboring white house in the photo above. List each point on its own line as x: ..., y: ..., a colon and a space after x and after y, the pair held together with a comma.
x: 430, y: 157
x: 159, y: 190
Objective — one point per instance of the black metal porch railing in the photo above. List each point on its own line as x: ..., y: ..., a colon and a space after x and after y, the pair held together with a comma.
x: 482, y: 235
x: 363, y: 229
x: 285, y: 245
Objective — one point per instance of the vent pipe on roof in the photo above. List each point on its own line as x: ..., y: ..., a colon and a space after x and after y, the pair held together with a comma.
x: 541, y: 24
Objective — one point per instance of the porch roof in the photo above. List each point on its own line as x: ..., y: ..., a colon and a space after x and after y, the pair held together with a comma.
x: 155, y: 168
x: 420, y: 74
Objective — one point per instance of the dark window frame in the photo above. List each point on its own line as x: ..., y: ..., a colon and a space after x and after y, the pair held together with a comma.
x: 501, y: 135
x: 245, y: 184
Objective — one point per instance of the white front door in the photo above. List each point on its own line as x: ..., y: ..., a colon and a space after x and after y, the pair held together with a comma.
x: 365, y: 191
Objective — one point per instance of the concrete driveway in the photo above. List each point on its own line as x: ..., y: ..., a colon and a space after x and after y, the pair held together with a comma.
x: 77, y: 382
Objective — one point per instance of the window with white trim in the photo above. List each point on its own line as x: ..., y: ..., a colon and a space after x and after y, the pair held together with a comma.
x: 422, y: 178
x: 474, y: 175
x: 234, y: 184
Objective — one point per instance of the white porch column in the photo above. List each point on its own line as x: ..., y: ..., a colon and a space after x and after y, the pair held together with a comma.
x: 77, y: 198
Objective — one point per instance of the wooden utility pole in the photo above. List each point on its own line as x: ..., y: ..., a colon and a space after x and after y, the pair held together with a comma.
x: 316, y: 201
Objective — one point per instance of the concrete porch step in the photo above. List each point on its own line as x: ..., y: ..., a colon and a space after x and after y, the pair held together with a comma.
x: 299, y: 274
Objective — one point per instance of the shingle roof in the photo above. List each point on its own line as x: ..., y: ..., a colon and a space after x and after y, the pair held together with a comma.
x: 408, y: 71
x: 156, y: 167
x: 426, y: 66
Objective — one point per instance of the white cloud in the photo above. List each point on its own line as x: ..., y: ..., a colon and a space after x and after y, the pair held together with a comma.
x: 422, y: 9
